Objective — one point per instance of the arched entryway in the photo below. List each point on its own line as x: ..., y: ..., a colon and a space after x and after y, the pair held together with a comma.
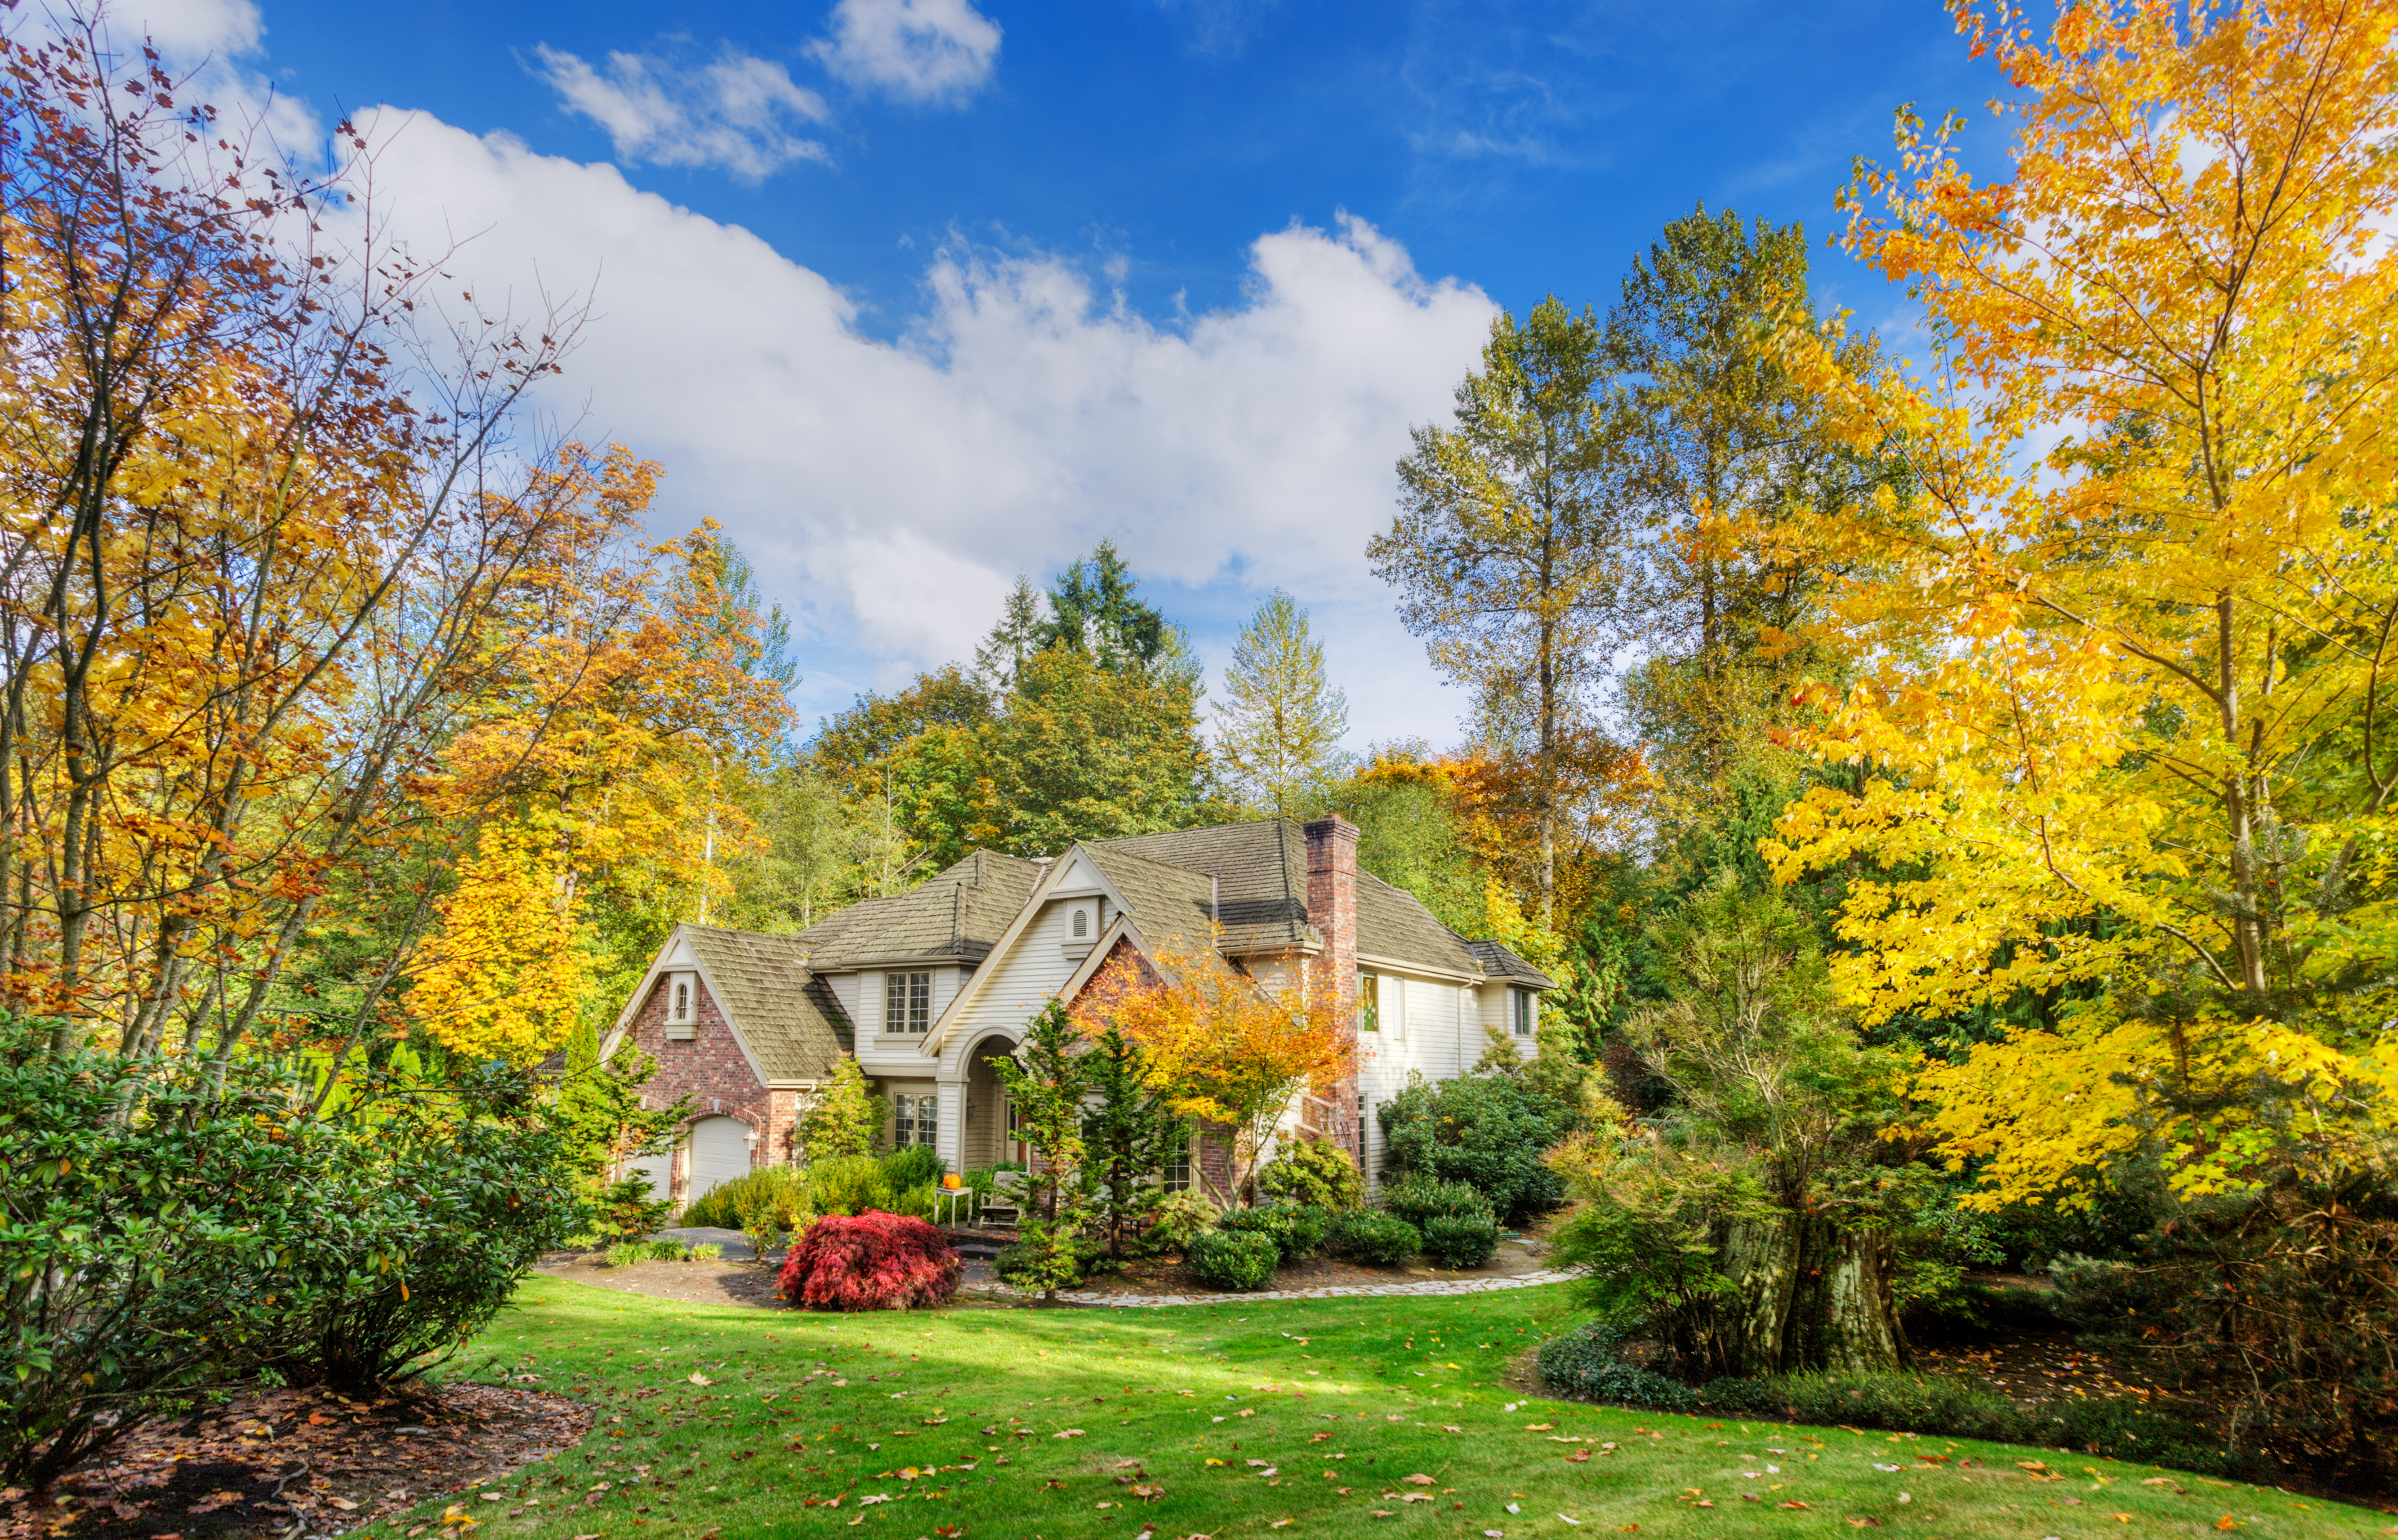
x: 988, y: 1137
x: 719, y: 1152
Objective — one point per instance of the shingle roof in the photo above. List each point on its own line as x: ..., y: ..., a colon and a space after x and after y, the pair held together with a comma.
x: 1393, y: 923
x: 958, y: 913
x: 1261, y: 869
x: 787, y: 1015
x: 1500, y: 963
x: 1168, y: 902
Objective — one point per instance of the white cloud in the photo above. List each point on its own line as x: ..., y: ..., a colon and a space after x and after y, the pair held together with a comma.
x: 917, y: 50
x: 733, y: 114
x: 890, y: 490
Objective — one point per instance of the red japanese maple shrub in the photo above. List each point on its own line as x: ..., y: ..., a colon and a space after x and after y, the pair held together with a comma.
x: 873, y: 1261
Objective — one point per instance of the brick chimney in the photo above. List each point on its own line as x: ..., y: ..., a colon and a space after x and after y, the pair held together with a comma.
x: 1332, y: 973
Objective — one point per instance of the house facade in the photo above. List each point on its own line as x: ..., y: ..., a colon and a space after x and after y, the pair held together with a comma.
x: 927, y: 988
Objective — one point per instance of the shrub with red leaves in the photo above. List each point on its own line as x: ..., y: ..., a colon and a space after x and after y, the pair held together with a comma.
x: 874, y: 1261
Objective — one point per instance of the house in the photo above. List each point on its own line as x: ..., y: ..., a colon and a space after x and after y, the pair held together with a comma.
x: 927, y: 988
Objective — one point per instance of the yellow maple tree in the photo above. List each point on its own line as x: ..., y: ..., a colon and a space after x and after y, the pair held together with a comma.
x: 2119, y: 709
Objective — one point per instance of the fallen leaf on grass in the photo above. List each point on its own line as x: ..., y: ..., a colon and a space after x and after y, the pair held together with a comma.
x: 1790, y: 1505
x: 1420, y: 1478
x: 698, y: 1378
x: 1867, y: 1523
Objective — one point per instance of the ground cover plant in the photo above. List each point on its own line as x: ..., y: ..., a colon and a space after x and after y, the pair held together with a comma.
x: 1222, y: 1420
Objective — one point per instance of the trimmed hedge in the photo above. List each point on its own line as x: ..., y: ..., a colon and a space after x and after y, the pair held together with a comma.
x: 1419, y: 1198
x: 1231, y: 1259
x: 871, y: 1261
x: 1376, y: 1238
x: 1298, y: 1230
x: 1461, y: 1239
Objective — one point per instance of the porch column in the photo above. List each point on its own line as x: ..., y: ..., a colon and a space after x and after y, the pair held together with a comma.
x: 950, y: 1143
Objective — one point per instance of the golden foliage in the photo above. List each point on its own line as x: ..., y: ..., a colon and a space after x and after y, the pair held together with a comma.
x: 1219, y: 1046
x: 2121, y: 653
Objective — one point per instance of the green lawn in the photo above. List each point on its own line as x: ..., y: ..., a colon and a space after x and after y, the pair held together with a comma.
x: 1240, y: 1418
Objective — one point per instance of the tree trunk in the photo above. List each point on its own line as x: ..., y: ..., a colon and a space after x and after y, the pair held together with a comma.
x: 1761, y: 1257
x: 1843, y: 1318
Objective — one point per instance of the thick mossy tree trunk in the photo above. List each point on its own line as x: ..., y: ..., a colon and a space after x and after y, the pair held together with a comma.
x: 1843, y: 1316
x: 1806, y: 1293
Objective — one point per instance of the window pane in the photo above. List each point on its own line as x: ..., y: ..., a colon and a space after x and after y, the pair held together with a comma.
x: 928, y: 1119
x: 1370, y: 1003
x: 920, y: 1001
x: 894, y: 1002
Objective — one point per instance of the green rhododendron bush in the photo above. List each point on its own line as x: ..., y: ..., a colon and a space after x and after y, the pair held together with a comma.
x: 168, y: 1225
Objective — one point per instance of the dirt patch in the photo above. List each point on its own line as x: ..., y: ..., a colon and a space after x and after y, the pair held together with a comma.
x: 749, y: 1283
x: 298, y: 1462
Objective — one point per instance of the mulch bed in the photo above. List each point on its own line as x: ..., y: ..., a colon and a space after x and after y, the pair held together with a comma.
x: 293, y: 1462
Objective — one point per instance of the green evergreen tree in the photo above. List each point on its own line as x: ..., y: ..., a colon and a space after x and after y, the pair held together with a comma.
x: 1126, y: 1138
x: 847, y: 1121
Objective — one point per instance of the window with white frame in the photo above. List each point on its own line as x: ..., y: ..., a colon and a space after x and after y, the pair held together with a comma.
x: 1521, y: 1003
x: 1369, y: 1002
x: 907, y: 1002
x: 1081, y: 924
x: 1174, y: 1174
x: 683, y: 1005
x: 915, y: 1120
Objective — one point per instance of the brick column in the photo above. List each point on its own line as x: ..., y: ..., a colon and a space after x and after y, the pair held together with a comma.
x: 1332, y: 973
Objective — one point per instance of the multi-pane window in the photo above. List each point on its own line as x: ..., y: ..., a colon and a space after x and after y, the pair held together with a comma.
x: 907, y: 1002
x: 1522, y: 1001
x: 1369, y: 1002
x: 1176, y: 1173
x: 915, y: 1119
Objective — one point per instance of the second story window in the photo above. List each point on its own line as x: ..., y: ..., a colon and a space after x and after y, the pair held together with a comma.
x: 1082, y: 923
x: 907, y: 1002
x: 1369, y: 1002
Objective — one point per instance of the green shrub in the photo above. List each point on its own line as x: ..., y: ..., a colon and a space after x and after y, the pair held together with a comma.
x: 1231, y: 1259
x: 1298, y: 1230
x: 914, y: 1166
x: 726, y: 1205
x: 848, y: 1185
x: 626, y: 1252
x: 1182, y: 1215
x: 1313, y: 1170
x: 138, y: 1255
x: 916, y: 1202
x: 705, y: 1252
x: 1586, y: 1361
x: 1486, y: 1130
x: 1461, y: 1239
x: 1376, y: 1238
x: 1418, y: 1200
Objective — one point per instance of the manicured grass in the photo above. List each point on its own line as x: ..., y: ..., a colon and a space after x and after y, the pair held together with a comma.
x: 1027, y: 1422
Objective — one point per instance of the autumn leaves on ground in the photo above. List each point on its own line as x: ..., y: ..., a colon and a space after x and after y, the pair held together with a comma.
x: 1238, y: 1418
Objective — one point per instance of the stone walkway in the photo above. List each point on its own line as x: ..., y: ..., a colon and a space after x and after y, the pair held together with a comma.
x: 1439, y: 1286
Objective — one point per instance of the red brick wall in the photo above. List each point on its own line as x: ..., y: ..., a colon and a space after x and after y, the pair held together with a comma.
x: 711, y: 1068
x: 1332, y: 973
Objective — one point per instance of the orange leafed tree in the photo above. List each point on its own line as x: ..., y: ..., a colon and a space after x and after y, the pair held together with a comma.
x: 1219, y: 1046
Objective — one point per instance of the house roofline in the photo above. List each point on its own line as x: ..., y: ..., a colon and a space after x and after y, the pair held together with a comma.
x: 658, y: 969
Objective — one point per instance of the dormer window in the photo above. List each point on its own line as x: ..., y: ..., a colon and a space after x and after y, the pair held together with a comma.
x: 1081, y: 924
x: 682, y: 1007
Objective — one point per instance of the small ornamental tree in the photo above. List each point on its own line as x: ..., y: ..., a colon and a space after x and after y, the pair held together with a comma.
x: 871, y: 1261
x: 598, y: 1113
x: 1220, y: 1047
x: 846, y: 1119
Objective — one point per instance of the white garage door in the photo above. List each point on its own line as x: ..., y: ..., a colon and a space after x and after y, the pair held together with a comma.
x: 720, y: 1151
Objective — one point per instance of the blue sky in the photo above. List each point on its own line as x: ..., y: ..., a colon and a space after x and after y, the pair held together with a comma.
x: 916, y: 294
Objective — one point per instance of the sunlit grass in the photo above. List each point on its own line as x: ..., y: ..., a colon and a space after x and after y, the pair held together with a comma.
x: 1237, y: 1418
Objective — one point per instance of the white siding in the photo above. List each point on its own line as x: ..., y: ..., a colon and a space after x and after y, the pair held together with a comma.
x: 880, y: 1052
x: 844, y: 989
x: 1019, y: 984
